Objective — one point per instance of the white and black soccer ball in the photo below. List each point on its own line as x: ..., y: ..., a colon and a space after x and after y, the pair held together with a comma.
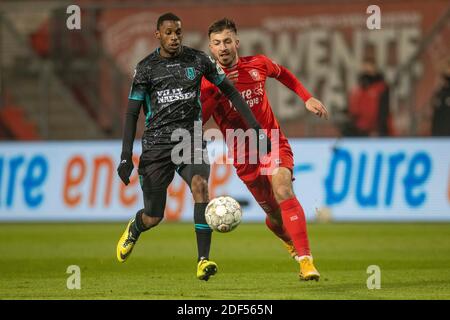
x: 223, y: 214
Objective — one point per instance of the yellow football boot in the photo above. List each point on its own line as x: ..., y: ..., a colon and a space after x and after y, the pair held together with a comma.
x: 290, y: 248
x: 125, y: 244
x: 205, y: 269
x: 307, y: 269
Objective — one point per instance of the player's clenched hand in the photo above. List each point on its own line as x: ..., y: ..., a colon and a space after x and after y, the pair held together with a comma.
x: 125, y: 168
x: 315, y: 106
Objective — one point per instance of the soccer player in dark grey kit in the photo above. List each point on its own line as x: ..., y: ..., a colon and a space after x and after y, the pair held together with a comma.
x: 167, y: 84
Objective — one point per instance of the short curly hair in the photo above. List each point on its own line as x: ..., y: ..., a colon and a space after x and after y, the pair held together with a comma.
x: 166, y: 17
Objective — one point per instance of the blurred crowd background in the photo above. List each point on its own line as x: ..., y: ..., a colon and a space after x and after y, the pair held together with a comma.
x: 61, y: 84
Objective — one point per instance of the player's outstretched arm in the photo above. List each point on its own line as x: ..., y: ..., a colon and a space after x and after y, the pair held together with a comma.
x: 126, y: 157
x: 312, y: 104
x: 228, y: 89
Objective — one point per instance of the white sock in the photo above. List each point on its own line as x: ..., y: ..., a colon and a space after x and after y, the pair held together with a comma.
x: 298, y: 259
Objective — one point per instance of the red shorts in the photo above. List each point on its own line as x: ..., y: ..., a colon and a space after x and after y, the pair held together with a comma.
x: 258, y: 177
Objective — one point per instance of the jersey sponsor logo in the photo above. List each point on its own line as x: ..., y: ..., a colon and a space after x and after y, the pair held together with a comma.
x: 258, y: 90
x: 253, y: 96
x: 190, y: 73
x: 255, y: 74
x: 172, y: 95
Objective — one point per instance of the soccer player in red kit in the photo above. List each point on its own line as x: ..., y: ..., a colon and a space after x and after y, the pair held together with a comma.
x: 271, y: 187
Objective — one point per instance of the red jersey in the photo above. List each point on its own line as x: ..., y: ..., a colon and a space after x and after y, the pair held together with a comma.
x: 253, y: 72
x: 365, y: 105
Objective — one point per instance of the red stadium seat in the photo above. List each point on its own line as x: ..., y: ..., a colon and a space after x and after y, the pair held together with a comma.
x: 14, y: 122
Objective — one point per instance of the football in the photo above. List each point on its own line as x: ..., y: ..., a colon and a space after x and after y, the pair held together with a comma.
x: 223, y: 214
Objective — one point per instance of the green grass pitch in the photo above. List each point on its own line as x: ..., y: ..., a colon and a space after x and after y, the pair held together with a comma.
x: 414, y: 260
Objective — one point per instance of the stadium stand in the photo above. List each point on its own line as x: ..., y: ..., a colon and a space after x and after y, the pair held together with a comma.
x: 74, y: 84
x: 34, y: 86
x: 15, y: 126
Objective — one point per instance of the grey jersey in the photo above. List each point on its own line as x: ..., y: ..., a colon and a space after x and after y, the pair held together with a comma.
x: 170, y: 91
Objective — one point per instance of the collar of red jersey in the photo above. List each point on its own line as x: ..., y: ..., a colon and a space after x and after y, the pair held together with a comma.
x: 232, y: 68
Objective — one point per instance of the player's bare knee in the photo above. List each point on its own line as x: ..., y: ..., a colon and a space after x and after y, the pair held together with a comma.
x: 283, y: 193
x: 199, y: 188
